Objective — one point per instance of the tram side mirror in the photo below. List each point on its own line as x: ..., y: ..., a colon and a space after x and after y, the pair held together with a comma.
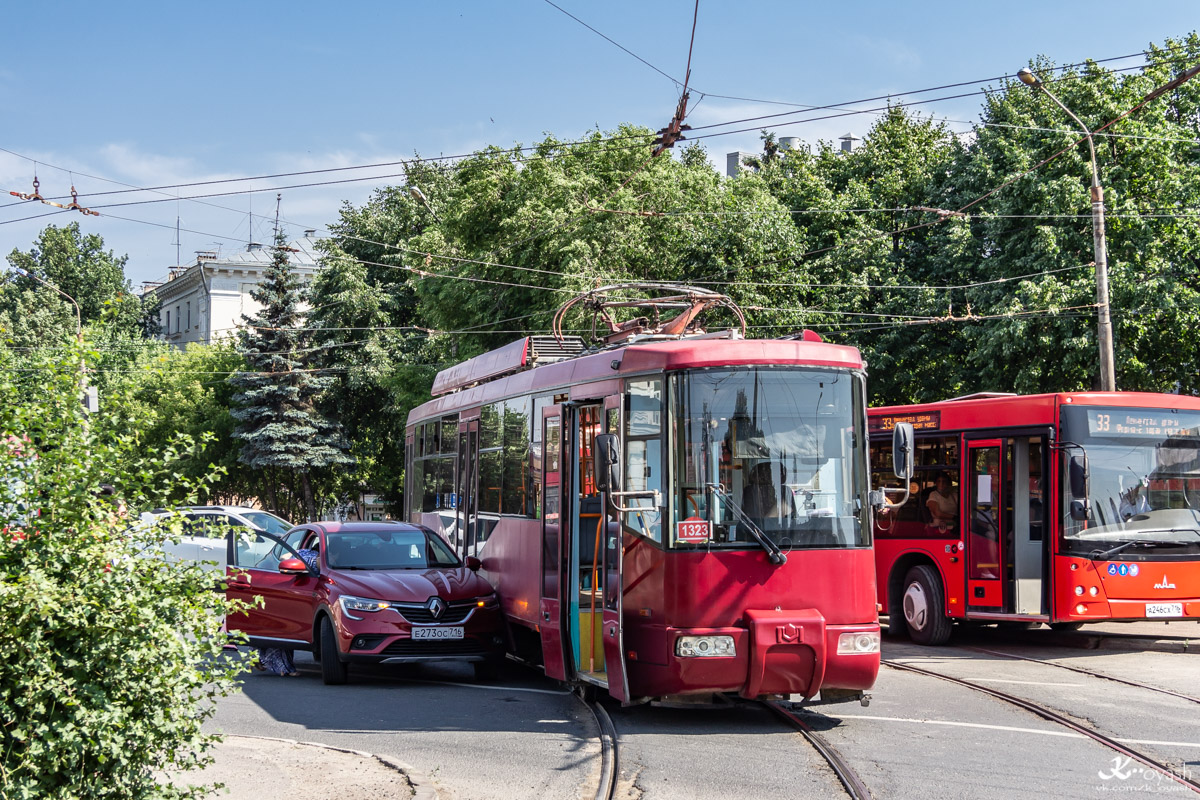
x: 608, y: 462
x: 902, y: 450
x: 1077, y: 476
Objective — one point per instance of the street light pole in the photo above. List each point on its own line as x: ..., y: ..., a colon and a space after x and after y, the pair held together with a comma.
x: 78, y: 316
x: 1108, y: 379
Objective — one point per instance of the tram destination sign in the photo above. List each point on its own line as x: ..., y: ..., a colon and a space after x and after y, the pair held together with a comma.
x: 1140, y: 422
x: 923, y: 421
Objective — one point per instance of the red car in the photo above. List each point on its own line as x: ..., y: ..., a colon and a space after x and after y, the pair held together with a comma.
x: 378, y: 592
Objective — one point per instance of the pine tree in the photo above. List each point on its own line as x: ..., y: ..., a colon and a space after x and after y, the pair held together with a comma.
x: 282, y: 431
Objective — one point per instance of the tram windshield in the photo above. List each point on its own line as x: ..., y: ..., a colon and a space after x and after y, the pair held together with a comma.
x: 769, y: 451
x: 1144, y: 467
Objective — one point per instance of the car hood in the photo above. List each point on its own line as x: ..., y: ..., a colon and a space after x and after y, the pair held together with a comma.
x: 411, y: 585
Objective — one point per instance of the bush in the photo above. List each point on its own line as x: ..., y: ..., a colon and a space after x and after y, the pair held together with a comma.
x: 110, y: 658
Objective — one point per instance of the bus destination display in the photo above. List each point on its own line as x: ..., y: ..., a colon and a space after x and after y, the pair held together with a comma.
x: 1141, y: 422
x: 925, y: 421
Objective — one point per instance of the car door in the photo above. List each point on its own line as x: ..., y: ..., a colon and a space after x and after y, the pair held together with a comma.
x: 211, y: 536
x: 284, y: 614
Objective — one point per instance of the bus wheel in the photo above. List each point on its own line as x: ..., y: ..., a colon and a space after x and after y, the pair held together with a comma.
x: 1066, y: 626
x: 925, y: 606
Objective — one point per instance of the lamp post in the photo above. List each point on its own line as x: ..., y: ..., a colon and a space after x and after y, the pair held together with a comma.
x: 1108, y: 380
x: 78, y: 316
x: 88, y: 393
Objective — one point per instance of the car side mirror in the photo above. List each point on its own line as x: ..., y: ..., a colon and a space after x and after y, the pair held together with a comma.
x: 902, y: 450
x: 608, y: 462
x: 473, y: 563
x: 293, y: 566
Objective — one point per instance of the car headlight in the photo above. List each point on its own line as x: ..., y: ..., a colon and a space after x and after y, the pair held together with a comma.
x: 855, y: 643
x: 704, y: 646
x: 352, y: 604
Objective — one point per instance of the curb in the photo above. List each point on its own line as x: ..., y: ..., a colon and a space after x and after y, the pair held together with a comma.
x: 420, y: 783
x: 1103, y: 642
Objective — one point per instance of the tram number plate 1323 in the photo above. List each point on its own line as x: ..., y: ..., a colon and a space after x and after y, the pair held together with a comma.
x: 693, y: 529
x: 1164, y: 609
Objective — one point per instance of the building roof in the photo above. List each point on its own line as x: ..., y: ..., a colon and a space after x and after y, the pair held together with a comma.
x: 303, y: 256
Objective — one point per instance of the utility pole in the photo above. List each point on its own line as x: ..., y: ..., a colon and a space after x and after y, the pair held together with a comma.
x: 1108, y: 378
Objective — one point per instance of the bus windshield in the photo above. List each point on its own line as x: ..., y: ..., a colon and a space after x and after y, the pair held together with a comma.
x: 774, y: 452
x: 1144, y: 465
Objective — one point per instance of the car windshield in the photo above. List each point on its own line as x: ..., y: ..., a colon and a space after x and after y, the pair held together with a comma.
x: 1144, y: 470
x: 268, y: 522
x: 774, y: 452
x: 387, y: 549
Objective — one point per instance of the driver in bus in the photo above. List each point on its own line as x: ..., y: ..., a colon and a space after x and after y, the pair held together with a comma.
x: 1134, y: 502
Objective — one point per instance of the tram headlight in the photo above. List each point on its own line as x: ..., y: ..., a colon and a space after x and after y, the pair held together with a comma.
x: 854, y: 643
x: 704, y: 646
x: 1093, y: 591
x: 1078, y: 591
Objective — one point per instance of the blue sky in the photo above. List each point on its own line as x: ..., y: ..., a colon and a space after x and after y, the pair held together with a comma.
x: 153, y: 94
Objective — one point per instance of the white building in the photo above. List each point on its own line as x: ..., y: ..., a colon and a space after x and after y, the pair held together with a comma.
x: 206, y: 301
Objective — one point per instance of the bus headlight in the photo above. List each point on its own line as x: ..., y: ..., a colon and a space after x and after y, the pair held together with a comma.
x: 704, y: 646
x: 854, y: 643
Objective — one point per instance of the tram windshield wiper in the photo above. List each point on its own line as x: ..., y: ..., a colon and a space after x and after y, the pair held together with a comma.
x: 774, y: 554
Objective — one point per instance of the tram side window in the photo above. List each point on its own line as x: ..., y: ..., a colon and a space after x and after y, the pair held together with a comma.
x: 516, y: 497
x: 535, y: 456
x: 433, y: 470
x: 490, y: 474
x: 643, y: 469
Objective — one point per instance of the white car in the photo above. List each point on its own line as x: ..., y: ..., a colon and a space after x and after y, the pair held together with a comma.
x: 208, y: 531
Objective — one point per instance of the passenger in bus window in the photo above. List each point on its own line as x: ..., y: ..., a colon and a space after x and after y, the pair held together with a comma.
x: 943, y: 503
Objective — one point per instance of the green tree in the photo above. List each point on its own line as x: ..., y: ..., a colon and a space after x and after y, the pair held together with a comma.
x: 79, y: 265
x: 110, y: 657
x: 282, y: 431
x: 1041, y: 226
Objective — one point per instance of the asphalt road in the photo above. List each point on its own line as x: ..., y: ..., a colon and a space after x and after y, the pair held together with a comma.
x: 524, y: 736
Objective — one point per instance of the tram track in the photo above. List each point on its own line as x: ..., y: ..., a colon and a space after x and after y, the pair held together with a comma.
x: 606, y: 788
x: 854, y: 785
x: 1089, y: 672
x: 1053, y: 716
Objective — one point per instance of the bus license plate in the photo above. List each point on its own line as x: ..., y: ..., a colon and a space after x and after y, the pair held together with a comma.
x: 1164, y: 609
x: 437, y: 633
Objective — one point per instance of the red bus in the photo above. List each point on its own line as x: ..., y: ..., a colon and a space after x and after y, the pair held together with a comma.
x: 722, y: 543
x: 1055, y: 508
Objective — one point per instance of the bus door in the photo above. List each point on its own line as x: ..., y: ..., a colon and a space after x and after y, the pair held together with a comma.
x: 587, y: 535
x: 551, y: 624
x: 1024, y: 483
x: 467, y: 487
x: 983, y: 529
x: 614, y: 582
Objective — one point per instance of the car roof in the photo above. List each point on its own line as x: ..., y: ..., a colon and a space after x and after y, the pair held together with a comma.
x: 367, y: 527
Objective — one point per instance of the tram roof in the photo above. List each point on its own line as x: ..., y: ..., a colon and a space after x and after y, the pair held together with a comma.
x: 509, y: 371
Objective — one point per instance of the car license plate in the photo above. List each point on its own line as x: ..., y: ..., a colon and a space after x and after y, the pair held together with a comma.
x: 437, y: 633
x: 1164, y: 609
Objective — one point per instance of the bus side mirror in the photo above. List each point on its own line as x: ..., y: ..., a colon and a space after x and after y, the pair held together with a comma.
x: 902, y: 450
x: 608, y: 462
x: 1077, y: 475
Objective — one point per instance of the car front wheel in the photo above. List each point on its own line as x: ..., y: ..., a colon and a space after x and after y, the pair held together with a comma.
x: 333, y: 669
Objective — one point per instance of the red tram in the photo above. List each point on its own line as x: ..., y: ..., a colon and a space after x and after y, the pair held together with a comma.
x: 666, y: 517
x: 1055, y: 508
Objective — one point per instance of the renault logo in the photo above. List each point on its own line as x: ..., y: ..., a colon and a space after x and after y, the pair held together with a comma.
x: 436, y: 606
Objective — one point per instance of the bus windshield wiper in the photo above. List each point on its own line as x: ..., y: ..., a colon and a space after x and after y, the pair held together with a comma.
x: 1105, y: 555
x: 774, y: 554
